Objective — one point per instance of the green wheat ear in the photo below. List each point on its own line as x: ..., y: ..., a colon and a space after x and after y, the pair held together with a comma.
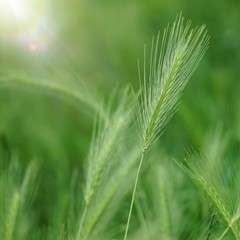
x: 221, y: 189
x: 172, y: 62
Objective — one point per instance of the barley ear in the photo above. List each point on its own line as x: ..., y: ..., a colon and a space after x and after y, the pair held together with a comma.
x: 215, y: 188
x: 173, y: 60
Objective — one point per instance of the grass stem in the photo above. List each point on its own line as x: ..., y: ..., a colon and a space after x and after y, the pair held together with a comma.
x: 133, y: 194
x: 81, y: 223
x: 224, y: 233
x: 230, y: 226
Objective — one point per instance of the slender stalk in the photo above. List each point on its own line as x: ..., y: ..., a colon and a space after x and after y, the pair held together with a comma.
x: 224, y: 233
x: 230, y: 226
x: 81, y: 223
x: 134, y: 193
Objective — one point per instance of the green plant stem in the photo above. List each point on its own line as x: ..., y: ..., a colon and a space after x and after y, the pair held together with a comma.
x: 81, y: 223
x: 230, y: 226
x: 224, y: 233
x: 134, y: 193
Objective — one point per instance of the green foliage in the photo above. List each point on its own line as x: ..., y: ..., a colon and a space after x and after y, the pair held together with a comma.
x: 72, y: 194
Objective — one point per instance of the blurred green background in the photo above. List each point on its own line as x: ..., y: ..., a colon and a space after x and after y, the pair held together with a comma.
x: 99, y: 42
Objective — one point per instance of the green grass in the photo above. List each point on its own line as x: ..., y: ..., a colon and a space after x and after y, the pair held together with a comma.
x: 127, y: 185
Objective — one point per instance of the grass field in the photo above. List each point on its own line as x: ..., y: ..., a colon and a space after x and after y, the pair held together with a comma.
x: 103, y: 136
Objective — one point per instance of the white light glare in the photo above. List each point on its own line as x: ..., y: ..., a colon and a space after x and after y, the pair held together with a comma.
x: 16, y: 8
x: 28, y: 23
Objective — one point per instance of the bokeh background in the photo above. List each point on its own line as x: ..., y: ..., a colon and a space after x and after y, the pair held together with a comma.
x: 99, y: 42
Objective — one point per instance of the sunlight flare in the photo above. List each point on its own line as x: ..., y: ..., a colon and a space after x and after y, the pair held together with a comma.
x: 17, y: 9
x: 27, y: 24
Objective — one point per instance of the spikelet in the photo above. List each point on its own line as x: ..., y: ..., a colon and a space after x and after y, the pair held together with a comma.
x: 172, y: 62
